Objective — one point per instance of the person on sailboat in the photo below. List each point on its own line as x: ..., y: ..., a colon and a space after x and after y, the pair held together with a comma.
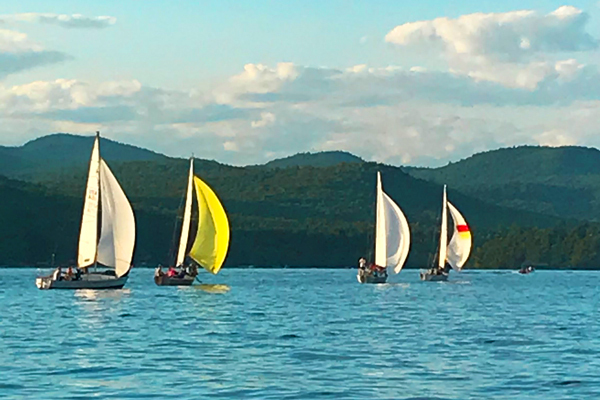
x: 69, y: 274
x: 56, y: 275
x: 192, y: 270
x: 171, y: 272
x: 158, y: 271
x: 362, y: 264
x: 362, y: 267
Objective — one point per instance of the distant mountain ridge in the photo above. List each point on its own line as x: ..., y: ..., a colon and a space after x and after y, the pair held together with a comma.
x: 302, y: 214
x: 561, y: 181
x: 62, y: 150
x: 319, y: 159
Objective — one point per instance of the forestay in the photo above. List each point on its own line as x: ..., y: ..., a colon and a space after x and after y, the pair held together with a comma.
x: 459, y: 247
x: 117, y: 237
x: 392, y: 233
x: 212, y: 238
x: 187, y: 214
x: 88, y: 234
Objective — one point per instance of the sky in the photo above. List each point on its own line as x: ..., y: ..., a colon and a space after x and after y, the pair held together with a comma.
x: 243, y: 82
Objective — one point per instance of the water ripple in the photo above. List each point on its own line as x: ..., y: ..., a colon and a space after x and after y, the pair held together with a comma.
x: 304, y: 334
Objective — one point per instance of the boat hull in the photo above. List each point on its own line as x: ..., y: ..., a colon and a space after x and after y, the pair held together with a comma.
x: 87, y: 281
x: 426, y: 276
x: 174, y: 281
x: 367, y: 278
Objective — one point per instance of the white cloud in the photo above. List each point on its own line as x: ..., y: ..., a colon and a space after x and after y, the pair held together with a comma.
x: 64, y: 94
x: 514, y: 48
x: 266, y: 118
x: 13, y: 42
x: 554, y: 138
x: 388, y: 114
x: 257, y: 78
x: 63, y: 20
x: 509, y: 36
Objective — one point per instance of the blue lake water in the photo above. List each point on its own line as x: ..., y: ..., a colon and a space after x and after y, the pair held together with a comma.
x: 305, y: 334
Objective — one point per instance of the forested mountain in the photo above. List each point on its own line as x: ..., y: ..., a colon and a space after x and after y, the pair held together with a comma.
x: 560, y: 181
x: 63, y: 151
x: 320, y: 159
x: 295, y: 215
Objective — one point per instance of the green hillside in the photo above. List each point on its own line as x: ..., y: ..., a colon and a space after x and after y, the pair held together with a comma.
x: 63, y: 151
x: 320, y: 159
x: 563, y: 181
x: 297, y: 215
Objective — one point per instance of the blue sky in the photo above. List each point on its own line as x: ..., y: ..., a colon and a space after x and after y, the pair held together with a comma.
x: 171, y: 75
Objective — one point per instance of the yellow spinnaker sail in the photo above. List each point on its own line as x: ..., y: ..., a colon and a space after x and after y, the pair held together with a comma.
x: 212, y: 240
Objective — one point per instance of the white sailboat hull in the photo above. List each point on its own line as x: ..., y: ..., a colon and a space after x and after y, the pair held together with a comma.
x: 363, y: 277
x: 427, y: 276
x: 87, y: 281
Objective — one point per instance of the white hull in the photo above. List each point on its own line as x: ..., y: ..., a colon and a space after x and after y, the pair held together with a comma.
x: 87, y: 281
x: 370, y: 278
x: 427, y: 276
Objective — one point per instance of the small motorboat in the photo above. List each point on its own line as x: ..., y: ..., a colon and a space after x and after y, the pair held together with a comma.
x: 527, y: 269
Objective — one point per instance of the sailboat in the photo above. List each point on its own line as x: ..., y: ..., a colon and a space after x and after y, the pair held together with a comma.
x: 455, y: 253
x: 212, y: 237
x: 114, y: 249
x: 392, y: 240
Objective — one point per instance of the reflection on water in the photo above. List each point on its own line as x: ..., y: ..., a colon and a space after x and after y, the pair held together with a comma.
x: 92, y: 294
x: 213, y: 288
x: 304, y: 334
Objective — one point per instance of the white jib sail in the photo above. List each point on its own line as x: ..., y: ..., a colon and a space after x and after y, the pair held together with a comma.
x: 443, y: 232
x: 392, y: 238
x: 117, y: 237
x: 88, y: 233
x: 459, y: 247
x: 187, y: 216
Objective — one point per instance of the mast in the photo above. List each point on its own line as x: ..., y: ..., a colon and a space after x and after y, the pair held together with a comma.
x: 99, y: 197
x: 187, y: 216
x: 443, y: 232
x: 380, y: 227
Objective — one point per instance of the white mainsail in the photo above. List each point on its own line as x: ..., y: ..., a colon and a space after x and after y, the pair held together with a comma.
x: 459, y: 247
x: 392, y: 233
x: 117, y: 238
x: 443, y: 232
x: 187, y: 216
x: 88, y: 234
